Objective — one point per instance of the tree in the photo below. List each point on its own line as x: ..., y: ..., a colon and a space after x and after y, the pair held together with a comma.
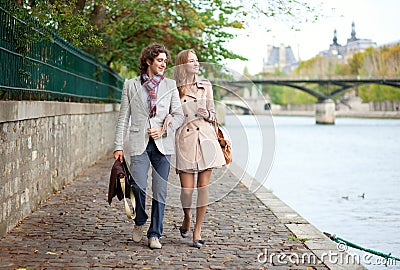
x: 115, y: 31
x: 75, y: 21
x: 391, y: 57
x: 131, y: 25
x: 356, y: 63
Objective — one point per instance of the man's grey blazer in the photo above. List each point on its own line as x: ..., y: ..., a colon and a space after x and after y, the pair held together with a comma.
x: 134, y: 111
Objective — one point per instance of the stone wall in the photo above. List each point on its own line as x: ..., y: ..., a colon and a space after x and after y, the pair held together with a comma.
x: 388, y: 105
x: 44, y: 146
x: 293, y: 107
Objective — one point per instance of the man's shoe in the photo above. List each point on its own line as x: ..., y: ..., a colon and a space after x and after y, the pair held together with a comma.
x: 154, y: 243
x: 137, y: 233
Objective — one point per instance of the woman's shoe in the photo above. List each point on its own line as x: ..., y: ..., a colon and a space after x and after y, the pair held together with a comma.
x: 198, y: 243
x: 184, y: 232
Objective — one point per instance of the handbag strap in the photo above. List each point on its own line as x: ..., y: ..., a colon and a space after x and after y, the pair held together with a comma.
x: 216, y: 125
x: 132, y: 197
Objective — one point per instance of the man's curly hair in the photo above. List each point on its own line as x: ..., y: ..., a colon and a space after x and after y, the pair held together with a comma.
x: 150, y: 53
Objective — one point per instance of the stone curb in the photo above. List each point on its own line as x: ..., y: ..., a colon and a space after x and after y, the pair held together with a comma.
x: 317, y: 242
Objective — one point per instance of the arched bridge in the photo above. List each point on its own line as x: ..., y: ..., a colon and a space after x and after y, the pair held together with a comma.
x: 325, y: 109
x: 334, y: 86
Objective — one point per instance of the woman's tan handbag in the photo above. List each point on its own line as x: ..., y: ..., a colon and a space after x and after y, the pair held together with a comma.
x: 224, y: 143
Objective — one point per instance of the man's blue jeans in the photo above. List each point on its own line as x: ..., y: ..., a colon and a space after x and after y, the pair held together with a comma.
x: 160, y: 170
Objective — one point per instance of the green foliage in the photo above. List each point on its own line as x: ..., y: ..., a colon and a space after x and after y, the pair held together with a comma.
x: 203, y: 26
x: 379, y: 62
x: 283, y: 95
x: 275, y: 94
x: 57, y: 16
x: 299, y: 239
x: 378, y: 92
x: 116, y: 31
x: 356, y: 63
x: 320, y: 66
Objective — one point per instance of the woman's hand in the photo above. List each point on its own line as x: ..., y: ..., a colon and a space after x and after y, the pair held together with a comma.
x: 119, y: 154
x: 203, y: 113
x: 156, y: 132
x: 167, y: 122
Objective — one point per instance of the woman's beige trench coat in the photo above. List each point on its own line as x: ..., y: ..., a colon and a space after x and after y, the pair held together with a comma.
x: 197, y: 147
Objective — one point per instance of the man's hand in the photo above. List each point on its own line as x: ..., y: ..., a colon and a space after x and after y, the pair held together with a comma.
x: 119, y: 154
x: 156, y: 132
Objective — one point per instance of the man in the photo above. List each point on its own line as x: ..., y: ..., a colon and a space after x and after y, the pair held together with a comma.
x: 151, y: 103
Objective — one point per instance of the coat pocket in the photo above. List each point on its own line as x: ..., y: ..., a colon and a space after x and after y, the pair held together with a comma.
x: 134, y: 129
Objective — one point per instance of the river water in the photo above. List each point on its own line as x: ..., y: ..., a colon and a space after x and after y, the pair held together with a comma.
x: 343, y: 178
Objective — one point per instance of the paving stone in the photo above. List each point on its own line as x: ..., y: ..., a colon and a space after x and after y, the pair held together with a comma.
x: 77, y: 229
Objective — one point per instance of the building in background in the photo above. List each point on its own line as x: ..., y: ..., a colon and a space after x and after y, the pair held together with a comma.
x: 353, y: 45
x: 279, y: 59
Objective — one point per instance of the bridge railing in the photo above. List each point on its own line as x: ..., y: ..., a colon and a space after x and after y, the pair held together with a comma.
x: 36, y: 67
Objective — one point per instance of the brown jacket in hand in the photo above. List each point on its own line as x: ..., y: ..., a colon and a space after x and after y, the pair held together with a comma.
x: 114, y: 188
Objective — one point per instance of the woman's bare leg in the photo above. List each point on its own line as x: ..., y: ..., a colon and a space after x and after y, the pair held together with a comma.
x: 187, y: 186
x: 202, y: 201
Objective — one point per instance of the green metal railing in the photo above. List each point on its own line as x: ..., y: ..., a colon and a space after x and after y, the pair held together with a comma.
x: 34, y: 66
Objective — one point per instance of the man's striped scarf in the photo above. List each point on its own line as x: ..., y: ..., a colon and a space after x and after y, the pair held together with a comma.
x: 151, y: 86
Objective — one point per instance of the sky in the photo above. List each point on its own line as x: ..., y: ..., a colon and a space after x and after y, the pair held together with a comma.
x: 375, y: 20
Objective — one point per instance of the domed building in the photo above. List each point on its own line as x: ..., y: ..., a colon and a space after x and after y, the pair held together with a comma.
x: 352, y: 46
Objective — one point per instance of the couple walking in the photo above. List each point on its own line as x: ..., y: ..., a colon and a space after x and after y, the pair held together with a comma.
x: 167, y: 115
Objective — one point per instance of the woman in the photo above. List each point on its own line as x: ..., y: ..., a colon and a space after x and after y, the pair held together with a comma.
x: 197, y: 148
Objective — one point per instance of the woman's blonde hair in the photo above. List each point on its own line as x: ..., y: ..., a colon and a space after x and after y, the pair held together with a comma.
x: 180, y: 74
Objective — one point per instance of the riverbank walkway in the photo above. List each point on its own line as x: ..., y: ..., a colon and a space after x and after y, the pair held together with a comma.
x: 77, y: 229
